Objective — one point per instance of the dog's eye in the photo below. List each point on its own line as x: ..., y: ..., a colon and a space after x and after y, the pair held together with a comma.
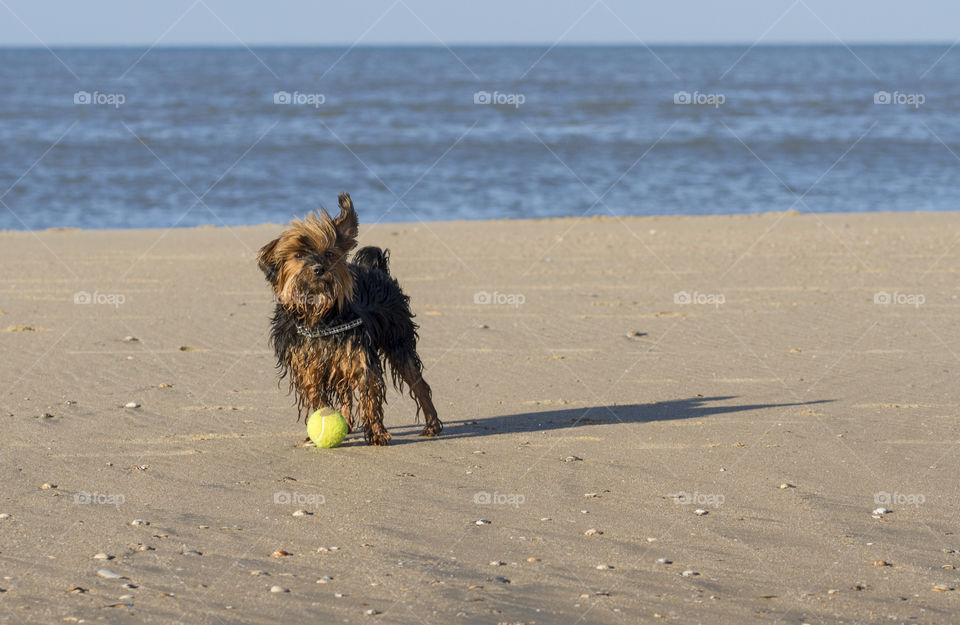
x: 298, y: 255
x: 329, y: 255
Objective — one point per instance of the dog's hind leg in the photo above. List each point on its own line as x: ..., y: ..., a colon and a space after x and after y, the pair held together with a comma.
x: 409, y: 368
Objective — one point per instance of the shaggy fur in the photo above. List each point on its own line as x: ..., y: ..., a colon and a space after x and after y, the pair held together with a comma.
x: 317, y: 288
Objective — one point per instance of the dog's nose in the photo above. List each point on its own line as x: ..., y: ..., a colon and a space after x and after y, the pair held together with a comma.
x: 317, y: 270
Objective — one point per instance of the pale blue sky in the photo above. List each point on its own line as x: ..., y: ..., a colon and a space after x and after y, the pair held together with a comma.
x: 226, y: 22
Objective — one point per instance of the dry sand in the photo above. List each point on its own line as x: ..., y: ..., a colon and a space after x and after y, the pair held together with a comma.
x: 783, y: 401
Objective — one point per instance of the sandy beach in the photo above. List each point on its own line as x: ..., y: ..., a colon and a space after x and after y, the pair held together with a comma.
x: 683, y: 419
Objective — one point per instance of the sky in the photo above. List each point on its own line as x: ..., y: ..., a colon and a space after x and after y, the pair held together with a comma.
x: 451, y: 22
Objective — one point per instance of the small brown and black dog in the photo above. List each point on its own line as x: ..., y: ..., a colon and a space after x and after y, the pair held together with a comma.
x: 337, y: 324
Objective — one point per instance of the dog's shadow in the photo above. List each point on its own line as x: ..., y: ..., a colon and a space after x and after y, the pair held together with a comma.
x: 676, y: 409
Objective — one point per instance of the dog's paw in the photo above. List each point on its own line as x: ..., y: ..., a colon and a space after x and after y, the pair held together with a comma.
x: 380, y: 438
x: 431, y: 431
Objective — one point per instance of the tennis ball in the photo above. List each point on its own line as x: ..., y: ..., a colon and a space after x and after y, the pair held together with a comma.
x: 326, y: 428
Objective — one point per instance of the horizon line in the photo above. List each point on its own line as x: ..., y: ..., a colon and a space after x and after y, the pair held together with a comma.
x: 517, y: 44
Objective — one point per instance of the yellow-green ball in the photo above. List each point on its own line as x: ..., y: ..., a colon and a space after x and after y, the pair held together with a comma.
x: 326, y: 428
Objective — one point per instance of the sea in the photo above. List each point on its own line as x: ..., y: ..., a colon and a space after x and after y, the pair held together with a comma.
x: 180, y: 137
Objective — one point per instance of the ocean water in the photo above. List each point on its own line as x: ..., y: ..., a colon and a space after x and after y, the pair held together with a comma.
x: 130, y: 138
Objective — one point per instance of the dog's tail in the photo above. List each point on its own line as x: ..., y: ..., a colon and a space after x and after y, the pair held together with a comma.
x: 373, y: 258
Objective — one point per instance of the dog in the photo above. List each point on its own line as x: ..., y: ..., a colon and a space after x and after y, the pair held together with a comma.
x: 338, y: 324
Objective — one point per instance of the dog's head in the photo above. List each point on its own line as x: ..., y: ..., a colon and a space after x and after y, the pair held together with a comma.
x: 307, y: 263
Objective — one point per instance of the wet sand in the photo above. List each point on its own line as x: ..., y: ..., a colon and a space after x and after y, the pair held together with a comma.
x: 785, y: 374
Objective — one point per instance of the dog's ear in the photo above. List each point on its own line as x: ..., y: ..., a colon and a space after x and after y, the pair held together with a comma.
x: 346, y: 222
x: 268, y: 262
